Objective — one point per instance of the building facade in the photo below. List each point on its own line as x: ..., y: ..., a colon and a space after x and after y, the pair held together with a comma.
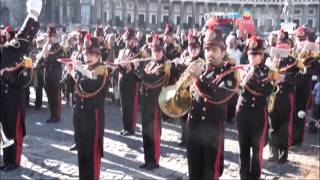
x: 153, y: 14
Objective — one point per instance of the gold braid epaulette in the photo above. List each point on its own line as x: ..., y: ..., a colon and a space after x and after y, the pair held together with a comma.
x: 87, y: 95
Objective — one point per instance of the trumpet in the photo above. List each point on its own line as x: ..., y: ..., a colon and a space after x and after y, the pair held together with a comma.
x: 5, y: 142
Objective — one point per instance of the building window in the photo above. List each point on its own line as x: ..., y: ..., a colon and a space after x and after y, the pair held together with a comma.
x: 189, y: 20
x: 311, y: 23
x: 311, y: 11
x: 129, y: 5
x: 141, y: 19
x: 129, y: 18
x: 297, y: 21
x: 166, y: 8
x: 178, y: 20
x: 153, y: 19
x: 142, y: 6
x: 177, y: 8
x: 165, y: 18
x: 118, y: 4
x: 297, y: 11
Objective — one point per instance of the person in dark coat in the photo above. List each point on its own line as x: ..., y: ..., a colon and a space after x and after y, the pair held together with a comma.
x: 52, y: 51
x: 15, y: 77
x: 281, y: 105
x: 89, y: 113
x: 129, y: 84
x: 251, y: 114
x: 213, y: 86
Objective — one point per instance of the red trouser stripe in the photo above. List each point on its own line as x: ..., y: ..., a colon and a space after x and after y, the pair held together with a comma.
x: 156, y: 131
x: 261, y: 145
x: 18, y: 138
x: 96, y: 147
x: 290, y: 124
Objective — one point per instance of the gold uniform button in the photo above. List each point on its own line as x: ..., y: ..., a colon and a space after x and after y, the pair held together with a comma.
x: 191, y: 116
x: 81, y: 107
x: 204, y: 109
x: 7, y: 85
x: 252, y: 105
x: 253, y: 98
x: 205, y: 99
x: 203, y: 118
x: 82, y: 99
x: 6, y: 91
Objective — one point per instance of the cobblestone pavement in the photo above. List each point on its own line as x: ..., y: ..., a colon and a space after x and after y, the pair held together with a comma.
x: 46, y: 152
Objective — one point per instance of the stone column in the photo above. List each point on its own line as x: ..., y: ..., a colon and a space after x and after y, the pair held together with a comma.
x: 159, y: 14
x: 194, y: 9
x: 147, y: 13
x: 170, y: 12
x: 60, y: 12
x: 136, y: 16
x: 124, y: 12
x: 182, y: 13
x: 68, y: 12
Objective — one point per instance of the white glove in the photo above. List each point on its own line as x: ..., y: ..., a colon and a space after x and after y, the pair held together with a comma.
x: 34, y: 8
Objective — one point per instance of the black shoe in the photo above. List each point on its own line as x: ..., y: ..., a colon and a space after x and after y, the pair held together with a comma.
x: 123, y: 132
x: 128, y: 133
x: 152, y: 166
x: 74, y: 147
x: 53, y: 120
x: 11, y: 167
x: 144, y: 165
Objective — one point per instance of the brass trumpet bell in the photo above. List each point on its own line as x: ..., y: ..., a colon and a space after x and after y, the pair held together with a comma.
x: 174, y: 103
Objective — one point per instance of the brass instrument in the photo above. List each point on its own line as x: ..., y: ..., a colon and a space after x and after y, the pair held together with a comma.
x: 175, y: 100
x: 305, y: 58
x: 273, y: 74
x: 5, y: 142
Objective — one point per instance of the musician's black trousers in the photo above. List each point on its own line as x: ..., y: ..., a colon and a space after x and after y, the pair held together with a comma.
x: 252, y: 129
x: 151, y: 128
x: 183, y: 123
x: 13, y: 111
x: 303, y: 102
x: 90, y: 141
x: 39, y: 88
x: 53, y: 89
x: 280, y: 124
x: 129, y: 97
x: 204, y: 145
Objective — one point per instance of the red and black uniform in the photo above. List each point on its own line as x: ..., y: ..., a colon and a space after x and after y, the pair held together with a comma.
x: 153, y: 77
x: 205, y: 125
x: 303, y: 97
x: 52, y: 78
x: 252, y: 121
x: 281, y: 118
x: 13, y: 92
x: 89, y: 115
x: 129, y: 86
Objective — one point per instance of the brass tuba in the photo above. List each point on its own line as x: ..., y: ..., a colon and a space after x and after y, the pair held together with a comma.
x: 175, y: 100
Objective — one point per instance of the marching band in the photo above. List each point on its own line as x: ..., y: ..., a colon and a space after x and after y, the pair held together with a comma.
x: 202, y: 78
